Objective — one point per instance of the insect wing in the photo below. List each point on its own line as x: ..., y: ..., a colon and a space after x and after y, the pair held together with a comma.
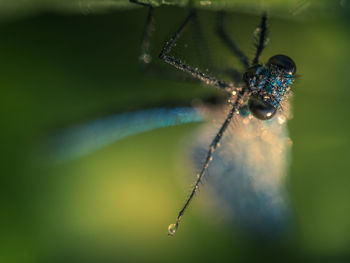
x: 248, y: 170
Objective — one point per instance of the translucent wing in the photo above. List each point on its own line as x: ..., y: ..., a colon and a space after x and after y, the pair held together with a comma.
x: 83, y: 139
x: 248, y: 170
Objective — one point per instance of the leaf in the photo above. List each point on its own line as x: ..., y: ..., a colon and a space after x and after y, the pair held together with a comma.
x: 11, y: 9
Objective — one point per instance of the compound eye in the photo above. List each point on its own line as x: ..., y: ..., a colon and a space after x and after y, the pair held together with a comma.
x: 283, y: 62
x: 260, y: 109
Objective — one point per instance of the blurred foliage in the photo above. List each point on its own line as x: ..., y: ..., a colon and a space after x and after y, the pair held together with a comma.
x: 11, y: 9
x: 115, y: 204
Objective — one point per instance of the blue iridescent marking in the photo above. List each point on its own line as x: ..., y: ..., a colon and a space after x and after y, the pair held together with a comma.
x: 271, y: 83
x: 81, y: 140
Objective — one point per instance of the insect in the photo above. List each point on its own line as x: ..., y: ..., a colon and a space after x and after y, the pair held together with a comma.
x: 247, y: 170
x: 257, y: 110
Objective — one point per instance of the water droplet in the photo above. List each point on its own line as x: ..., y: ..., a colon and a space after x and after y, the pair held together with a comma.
x: 146, y: 58
x: 172, y: 229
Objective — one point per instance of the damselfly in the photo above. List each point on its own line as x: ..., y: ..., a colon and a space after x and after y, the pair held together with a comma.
x: 249, y: 166
x: 257, y: 110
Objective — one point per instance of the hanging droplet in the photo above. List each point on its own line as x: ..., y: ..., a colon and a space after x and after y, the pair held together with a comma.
x: 172, y: 229
x: 145, y: 58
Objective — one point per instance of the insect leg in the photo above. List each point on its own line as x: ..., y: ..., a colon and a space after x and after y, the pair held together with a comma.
x: 203, y: 51
x: 164, y: 55
x: 229, y: 42
x: 173, y: 227
x: 234, y: 74
x: 138, y: 2
x: 261, y: 38
x: 145, y: 55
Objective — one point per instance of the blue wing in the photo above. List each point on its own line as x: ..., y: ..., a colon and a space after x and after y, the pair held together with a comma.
x: 83, y: 139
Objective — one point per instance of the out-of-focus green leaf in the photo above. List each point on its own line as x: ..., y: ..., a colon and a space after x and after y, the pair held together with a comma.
x: 10, y: 9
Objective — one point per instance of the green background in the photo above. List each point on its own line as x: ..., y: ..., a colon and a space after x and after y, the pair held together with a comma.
x: 63, y: 65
